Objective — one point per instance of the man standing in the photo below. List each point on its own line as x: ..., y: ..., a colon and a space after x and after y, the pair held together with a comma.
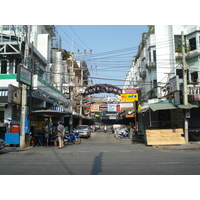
x: 60, y: 129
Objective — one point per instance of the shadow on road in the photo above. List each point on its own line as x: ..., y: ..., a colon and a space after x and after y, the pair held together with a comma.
x: 97, y: 164
x: 62, y: 162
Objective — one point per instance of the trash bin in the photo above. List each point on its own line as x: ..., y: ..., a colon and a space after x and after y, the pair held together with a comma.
x: 15, y: 129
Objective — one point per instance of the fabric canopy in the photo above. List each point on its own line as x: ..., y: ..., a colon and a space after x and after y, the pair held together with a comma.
x: 162, y: 106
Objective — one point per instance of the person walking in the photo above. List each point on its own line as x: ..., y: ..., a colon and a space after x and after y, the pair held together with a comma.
x: 105, y: 128
x: 60, y: 129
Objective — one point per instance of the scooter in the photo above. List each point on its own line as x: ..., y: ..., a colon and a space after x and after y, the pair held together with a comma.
x: 121, y: 133
x: 72, y: 138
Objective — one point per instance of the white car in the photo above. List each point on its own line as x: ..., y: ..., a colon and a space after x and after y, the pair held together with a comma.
x: 2, y: 144
x: 83, y: 131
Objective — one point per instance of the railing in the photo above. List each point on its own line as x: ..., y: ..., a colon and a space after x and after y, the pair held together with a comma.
x: 193, y: 89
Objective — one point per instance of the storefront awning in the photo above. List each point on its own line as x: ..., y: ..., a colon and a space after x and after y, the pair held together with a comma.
x: 51, y: 112
x: 189, y: 106
x: 162, y: 106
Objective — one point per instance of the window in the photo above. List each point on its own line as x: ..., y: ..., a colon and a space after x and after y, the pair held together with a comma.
x: 154, y: 55
x: 3, y: 66
x: 194, y: 76
x: 192, y: 43
x: 179, y: 72
x: 6, y: 27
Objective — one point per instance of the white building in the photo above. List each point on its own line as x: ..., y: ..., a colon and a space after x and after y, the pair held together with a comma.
x: 157, y: 62
x: 159, y: 58
x: 45, y: 93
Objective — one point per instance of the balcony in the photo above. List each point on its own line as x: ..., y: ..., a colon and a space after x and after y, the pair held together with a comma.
x: 193, y: 89
x: 151, y: 65
x: 50, y: 29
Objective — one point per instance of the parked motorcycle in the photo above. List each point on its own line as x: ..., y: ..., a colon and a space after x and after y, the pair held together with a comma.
x: 68, y: 138
x: 72, y: 138
x: 121, y: 133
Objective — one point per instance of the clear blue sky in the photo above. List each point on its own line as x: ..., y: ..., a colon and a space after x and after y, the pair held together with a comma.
x: 113, y: 48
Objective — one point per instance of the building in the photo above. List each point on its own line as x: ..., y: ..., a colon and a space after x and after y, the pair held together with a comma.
x: 157, y: 64
x: 45, y: 75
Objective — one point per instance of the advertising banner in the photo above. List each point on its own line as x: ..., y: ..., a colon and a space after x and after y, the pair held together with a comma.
x: 126, y: 106
x: 129, y: 91
x: 128, y: 97
x: 95, y: 108
x: 103, y: 107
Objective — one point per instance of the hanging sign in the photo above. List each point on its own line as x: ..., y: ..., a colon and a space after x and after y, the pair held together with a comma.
x: 128, y: 97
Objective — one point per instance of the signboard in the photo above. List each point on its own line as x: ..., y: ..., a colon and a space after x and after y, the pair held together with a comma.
x: 102, y: 88
x: 129, y: 116
x: 128, y: 97
x: 23, y: 75
x: 47, y: 88
x: 126, y: 106
x: 111, y: 107
x: 14, y: 94
x: 174, y: 84
x: 114, y: 107
x: 94, y: 108
x: 103, y: 107
x: 129, y: 91
x: 177, y: 99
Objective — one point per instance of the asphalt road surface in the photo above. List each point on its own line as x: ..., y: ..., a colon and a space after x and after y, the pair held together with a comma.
x: 101, y: 154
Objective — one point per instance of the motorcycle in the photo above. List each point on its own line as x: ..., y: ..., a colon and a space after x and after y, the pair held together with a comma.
x: 121, y: 133
x: 68, y: 138
x: 72, y: 138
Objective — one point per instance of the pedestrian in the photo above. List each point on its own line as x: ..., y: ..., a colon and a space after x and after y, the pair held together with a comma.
x: 60, y: 129
x: 105, y: 128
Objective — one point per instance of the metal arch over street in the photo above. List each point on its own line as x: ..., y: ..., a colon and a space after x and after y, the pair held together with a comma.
x: 102, y: 88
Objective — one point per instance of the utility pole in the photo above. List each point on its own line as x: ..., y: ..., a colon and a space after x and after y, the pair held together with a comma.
x: 23, y: 142
x: 185, y: 93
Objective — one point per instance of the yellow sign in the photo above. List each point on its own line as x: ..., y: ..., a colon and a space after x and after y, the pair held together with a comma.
x: 128, y: 97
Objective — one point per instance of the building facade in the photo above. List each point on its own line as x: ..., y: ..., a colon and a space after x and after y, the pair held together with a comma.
x: 158, y: 61
x: 47, y: 74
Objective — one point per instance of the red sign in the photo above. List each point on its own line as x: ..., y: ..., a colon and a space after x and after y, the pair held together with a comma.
x: 129, y: 91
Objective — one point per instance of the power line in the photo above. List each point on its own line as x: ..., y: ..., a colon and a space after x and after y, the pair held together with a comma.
x: 79, y: 37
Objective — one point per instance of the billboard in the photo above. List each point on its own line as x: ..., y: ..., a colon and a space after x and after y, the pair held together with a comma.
x: 174, y: 84
x: 129, y: 91
x: 24, y: 75
x: 114, y: 107
x: 103, y: 107
x: 94, y: 108
x: 126, y: 106
x: 128, y: 97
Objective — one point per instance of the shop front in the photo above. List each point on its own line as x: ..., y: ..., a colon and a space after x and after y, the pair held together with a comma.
x: 43, y: 126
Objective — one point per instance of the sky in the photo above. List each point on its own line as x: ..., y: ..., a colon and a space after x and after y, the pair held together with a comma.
x: 113, y: 48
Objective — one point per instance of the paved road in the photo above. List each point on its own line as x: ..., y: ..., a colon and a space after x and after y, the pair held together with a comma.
x: 101, y: 154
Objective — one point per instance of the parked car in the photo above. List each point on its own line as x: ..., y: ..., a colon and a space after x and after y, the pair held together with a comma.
x: 2, y: 144
x: 83, y: 131
x: 97, y: 125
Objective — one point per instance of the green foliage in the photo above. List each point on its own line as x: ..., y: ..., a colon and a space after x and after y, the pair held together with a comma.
x: 66, y: 55
x: 131, y: 125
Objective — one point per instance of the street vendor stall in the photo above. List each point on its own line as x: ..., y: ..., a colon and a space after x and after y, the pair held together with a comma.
x: 43, y: 125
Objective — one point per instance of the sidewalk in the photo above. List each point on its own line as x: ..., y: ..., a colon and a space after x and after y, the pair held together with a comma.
x: 189, y: 146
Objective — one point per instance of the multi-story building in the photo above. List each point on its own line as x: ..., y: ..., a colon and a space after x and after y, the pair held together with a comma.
x: 46, y: 75
x: 53, y: 86
x: 159, y: 59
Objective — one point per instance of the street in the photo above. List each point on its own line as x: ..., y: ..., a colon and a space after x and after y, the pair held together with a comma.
x: 101, y: 154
